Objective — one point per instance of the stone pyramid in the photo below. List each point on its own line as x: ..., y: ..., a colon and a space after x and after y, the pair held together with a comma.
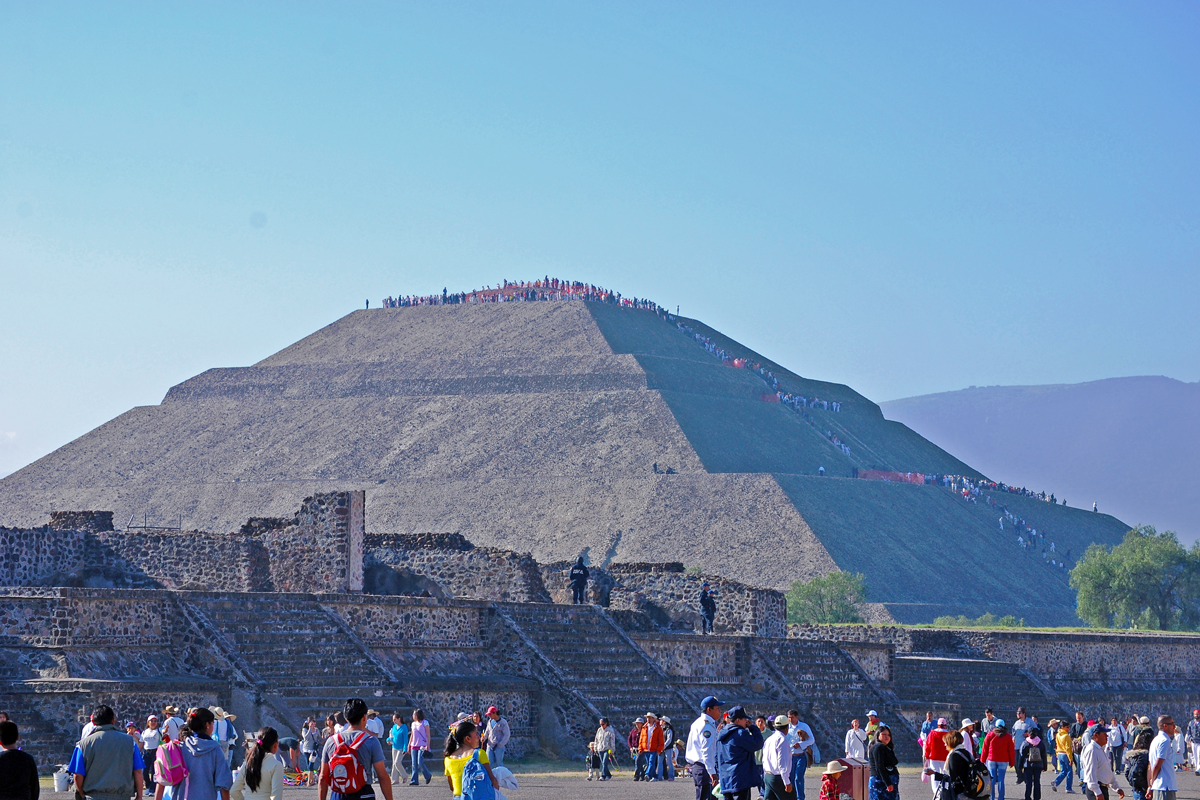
x: 538, y: 427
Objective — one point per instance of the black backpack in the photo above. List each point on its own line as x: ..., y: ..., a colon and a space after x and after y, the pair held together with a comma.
x: 1034, y: 755
x: 1136, y: 766
x: 978, y: 782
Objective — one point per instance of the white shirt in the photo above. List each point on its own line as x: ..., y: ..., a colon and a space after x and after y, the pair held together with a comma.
x: 702, y: 743
x: 87, y: 729
x: 375, y: 726
x: 151, y: 739
x: 856, y: 744
x: 798, y: 746
x: 1095, y: 768
x: 1018, y: 730
x: 270, y: 787
x: 1161, y: 747
x: 171, y: 728
x: 223, y: 732
x: 777, y: 757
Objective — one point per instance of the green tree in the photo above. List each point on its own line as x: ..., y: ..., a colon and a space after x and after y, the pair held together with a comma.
x: 1148, y: 581
x: 831, y: 598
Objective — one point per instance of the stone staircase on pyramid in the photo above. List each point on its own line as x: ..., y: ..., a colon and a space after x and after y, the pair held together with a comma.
x: 296, y: 649
x: 600, y: 662
x: 973, y: 684
x: 838, y: 689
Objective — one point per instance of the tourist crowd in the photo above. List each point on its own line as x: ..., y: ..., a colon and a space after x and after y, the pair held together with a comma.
x: 524, y: 291
x: 730, y: 754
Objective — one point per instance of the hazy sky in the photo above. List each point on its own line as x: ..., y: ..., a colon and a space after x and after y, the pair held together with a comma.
x: 904, y: 197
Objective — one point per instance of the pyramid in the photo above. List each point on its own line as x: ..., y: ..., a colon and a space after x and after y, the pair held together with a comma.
x: 561, y: 428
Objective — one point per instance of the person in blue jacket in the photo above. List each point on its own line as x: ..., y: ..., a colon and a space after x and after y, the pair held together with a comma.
x: 736, y: 745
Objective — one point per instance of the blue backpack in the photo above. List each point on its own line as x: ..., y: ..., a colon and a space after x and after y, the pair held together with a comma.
x: 476, y: 785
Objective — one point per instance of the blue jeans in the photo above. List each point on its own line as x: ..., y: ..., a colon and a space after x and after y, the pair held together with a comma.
x: 605, y: 772
x: 1064, y: 770
x: 495, y: 755
x: 996, y: 769
x: 419, y: 767
x: 652, y: 766
x: 799, y: 765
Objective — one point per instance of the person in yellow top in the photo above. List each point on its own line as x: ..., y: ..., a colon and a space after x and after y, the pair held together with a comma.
x: 1064, y: 755
x: 461, y: 745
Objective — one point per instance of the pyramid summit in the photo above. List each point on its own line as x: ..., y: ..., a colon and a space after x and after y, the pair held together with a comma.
x: 606, y: 428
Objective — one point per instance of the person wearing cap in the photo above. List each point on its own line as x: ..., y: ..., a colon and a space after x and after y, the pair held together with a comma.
x: 999, y: 753
x: 1193, y: 739
x: 872, y: 723
x: 651, y: 743
x: 736, y: 746
x: 1064, y: 756
x: 701, y: 750
x: 777, y: 763
x: 497, y: 735
x: 935, y: 751
x: 1096, y: 774
x: 151, y: 740
x: 708, y: 608
x: 1031, y: 762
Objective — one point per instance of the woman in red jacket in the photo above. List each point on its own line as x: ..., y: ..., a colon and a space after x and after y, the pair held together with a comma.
x: 999, y: 753
x: 936, y: 750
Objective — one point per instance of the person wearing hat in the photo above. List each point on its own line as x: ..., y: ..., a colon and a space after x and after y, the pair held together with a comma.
x: 829, y: 780
x: 497, y: 735
x: 967, y: 728
x: 651, y: 743
x: 666, y: 768
x: 999, y: 753
x: 872, y: 723
x: 777, y: 762
x: 151, y: 740
x: 736, y: 746
x: 1095, y: 768
x: 224, y: 734
x: 171, y: 723
x: 634, y: 740
x: 701, y: 750
x: 935, y: 750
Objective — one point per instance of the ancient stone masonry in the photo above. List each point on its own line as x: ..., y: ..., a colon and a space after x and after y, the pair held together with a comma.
x: 313, y: 551
x: 671, y: 596
x: 459, y: 568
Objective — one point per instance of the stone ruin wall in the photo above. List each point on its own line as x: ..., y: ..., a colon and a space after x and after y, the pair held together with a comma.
x: 460, y: 568
x: 711, y: 661
x: 308, y: 553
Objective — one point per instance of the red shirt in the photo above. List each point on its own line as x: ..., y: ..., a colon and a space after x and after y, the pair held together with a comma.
x: 935, y: 745
x: 998, y: 747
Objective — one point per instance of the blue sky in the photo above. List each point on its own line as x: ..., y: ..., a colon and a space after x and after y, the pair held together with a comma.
x: 904, y: 197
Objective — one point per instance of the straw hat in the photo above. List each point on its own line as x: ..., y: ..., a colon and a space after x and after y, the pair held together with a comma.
x: 834, y: 767
x: 171, y: 711
x: 219, y: 713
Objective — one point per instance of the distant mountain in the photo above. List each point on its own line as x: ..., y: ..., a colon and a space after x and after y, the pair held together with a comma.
x: 1132, y: 445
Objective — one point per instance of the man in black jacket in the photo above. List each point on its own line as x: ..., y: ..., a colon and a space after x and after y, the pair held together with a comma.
x: 579, y: 578
x: 708, y: 609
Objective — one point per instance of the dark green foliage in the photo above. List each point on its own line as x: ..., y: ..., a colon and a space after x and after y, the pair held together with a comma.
x: 988, y: 620
x: 1148, y: 581
x: 827, y: 600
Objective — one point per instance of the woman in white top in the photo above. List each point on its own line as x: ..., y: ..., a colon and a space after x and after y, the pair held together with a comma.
x: 261, y: 777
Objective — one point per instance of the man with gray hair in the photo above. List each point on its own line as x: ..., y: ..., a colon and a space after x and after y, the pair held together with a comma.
x: 1160, y: 774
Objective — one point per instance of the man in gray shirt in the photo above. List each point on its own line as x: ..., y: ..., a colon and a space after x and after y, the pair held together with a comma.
x: 497, y: 735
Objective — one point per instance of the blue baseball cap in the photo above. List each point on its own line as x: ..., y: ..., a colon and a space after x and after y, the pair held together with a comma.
x: 709, y: 702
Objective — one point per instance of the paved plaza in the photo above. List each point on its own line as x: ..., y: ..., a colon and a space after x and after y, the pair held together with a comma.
x: 567, y: 786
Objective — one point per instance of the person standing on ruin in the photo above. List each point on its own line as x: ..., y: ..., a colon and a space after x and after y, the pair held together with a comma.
x: 579, y: 579
x: 708, y: 608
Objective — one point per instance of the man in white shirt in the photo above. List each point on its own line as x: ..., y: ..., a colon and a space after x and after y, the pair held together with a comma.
x: 777, y: 758
x: 802, y: 749
x: 989, y: 722
x: 1095, y: 769
x: 1160, y: 774
x: 1018, y: 727
x: 701, y: 750
x: 856, y: 742
x: 375, y: 724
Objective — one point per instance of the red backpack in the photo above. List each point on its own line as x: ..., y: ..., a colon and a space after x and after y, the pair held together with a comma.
x: 346, y: 773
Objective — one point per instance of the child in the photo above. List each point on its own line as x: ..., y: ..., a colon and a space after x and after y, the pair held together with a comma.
x: 593, y: 761
x: 829, y: 780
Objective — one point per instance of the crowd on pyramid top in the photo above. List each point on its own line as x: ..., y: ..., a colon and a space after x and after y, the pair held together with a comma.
x: 523, y: 291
